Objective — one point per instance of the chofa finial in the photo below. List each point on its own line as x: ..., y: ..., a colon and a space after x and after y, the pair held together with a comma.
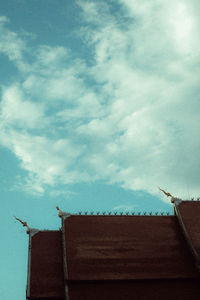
x: 24, y: 224
x: 60, y: 213
x: 167, y: 194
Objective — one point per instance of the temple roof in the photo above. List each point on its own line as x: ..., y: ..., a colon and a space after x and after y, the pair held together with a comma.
x: 125, y: 247
x: 45, y: 274
x: 112, y: 257
x: 188, y: 213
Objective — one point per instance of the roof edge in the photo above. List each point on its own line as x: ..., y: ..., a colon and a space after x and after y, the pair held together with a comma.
x: 187, y: 236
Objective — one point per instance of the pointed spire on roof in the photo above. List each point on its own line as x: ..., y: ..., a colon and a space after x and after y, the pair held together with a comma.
x: 167, y: 194
x: 24, y: 224
x: 60, y: 213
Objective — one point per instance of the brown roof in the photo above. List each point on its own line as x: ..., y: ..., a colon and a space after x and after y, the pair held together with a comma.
x: 45, y: 278
x: 117, y: 257
x: 125, y: 247
x: 139, y: 290
x: 188, y: 213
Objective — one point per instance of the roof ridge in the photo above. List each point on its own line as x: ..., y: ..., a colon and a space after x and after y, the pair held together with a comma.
x: 114, y: 213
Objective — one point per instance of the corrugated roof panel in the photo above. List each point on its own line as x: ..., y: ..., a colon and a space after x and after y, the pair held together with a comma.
x: 125, y: 248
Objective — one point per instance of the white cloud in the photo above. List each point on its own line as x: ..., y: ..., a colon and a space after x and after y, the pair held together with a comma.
x: 18, y: 111
x: 45, y: 158
x: 12, y: 45
x: 126, y: 208
x: 129, y: 118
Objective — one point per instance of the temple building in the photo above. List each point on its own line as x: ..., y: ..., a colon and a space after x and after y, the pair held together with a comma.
x: 121, y: 257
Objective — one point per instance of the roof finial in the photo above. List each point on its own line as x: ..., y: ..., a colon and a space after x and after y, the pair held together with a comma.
x: 167, y: 194
x: 24, y: 224
x: 60, y: 213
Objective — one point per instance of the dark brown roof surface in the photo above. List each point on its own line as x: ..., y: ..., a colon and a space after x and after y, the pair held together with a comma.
x: 45, y: 278
x: 118, y: 257
x: 125, y: 247
x: 189, y: 217
x: 139, y: 290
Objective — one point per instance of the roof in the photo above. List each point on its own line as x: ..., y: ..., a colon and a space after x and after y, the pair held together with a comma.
x: 113, y: 257
x: 45, y: 276
x: 188, y: 213
x: 125, y: 247
x: 139, y: 290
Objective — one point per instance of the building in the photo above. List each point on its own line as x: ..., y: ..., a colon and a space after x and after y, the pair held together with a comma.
x: 121, y: 257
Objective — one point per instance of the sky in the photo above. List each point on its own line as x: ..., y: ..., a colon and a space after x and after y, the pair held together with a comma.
x: 99, y: 105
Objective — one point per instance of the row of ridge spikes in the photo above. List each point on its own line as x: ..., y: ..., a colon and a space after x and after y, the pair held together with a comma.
x: 112, y: 213
x: 193, y: 199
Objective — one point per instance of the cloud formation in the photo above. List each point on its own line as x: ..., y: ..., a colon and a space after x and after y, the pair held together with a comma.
x: 129, y: 116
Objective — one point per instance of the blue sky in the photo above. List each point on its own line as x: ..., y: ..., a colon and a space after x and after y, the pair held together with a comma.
x: 99, y: 105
